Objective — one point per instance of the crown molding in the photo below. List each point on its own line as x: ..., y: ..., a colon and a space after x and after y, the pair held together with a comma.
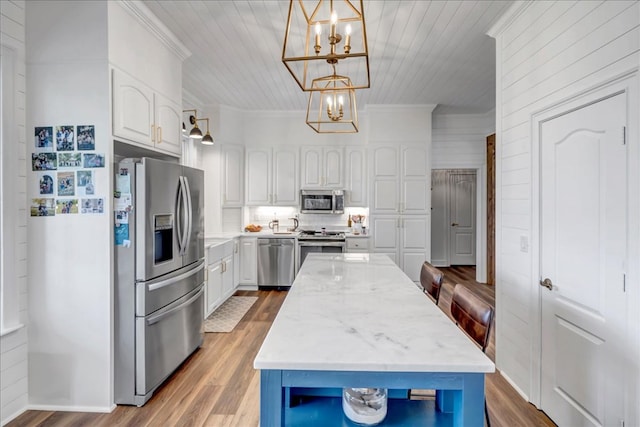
x: 507, y: 18
x: 143, y: 14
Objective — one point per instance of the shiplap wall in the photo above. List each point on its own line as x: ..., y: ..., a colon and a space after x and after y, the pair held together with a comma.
x: 460, y: 139
x: 13, y: 346
x: 546, y: 52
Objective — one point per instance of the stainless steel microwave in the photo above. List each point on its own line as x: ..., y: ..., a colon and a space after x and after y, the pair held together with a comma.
x: 322, y: 201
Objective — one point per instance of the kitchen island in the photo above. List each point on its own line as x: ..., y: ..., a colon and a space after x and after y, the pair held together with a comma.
x: 356, y: 320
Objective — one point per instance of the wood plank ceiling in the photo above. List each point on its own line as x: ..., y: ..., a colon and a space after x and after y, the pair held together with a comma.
x: 421, y: 52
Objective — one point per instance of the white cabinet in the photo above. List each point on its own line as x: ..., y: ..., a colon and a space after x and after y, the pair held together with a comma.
x: 221, y: 280
x: 213, y: 289
x: 272, y: 176
x: 248, y: 261
x: 145, y: 117
x: 228, y: 287
x: 405, y: 238
x: 357, y: 244
x: 232, y: 175
x: 356, y: 177
x: 322, y: 167
x: 400, y: 178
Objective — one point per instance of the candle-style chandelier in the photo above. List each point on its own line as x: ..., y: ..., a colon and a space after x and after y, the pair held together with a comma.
x: 326, y: 32
x: 322, y: 36
x: 332, y: 105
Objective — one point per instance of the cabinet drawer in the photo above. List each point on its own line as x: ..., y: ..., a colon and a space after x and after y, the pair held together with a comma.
x: 361, y: 243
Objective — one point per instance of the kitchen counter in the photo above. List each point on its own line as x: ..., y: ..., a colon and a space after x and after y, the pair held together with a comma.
x: 356, y: 320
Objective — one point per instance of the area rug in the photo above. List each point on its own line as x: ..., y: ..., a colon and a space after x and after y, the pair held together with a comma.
x: 229, y: 314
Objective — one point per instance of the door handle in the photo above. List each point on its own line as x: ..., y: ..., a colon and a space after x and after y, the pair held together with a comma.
x: 454, y: 224
x: 547, y: 284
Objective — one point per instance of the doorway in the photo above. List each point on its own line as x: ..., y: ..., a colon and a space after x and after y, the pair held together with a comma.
x: 454, y: 217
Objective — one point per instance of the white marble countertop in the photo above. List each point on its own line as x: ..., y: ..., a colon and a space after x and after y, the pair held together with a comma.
x: 360, y: 312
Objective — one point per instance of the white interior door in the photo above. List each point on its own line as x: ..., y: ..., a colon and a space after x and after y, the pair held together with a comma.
x: 583, y: 253
x: 462, y: 215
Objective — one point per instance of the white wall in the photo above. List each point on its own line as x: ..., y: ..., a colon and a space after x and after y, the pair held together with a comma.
x: 70, y: 275
x: 548, y: 52
x: 13, y: 342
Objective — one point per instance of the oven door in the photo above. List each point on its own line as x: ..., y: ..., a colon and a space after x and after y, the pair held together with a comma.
x: 308, y: 247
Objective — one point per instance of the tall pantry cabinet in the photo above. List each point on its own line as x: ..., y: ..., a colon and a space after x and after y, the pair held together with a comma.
x: 70, y: 72
x: 400, y: 204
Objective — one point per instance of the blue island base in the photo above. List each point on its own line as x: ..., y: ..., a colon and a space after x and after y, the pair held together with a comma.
x: 327, y: 411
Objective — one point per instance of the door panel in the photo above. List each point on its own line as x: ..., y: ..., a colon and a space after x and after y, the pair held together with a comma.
x: 463, y: 218
x: 195, y: 247
x: 583, y: 252
x: 157, y: 189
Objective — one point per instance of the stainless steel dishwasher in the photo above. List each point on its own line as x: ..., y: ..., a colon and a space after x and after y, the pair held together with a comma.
x: 276, y: 262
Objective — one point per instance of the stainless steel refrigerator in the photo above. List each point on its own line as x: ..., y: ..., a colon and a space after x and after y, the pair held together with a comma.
x: 159, y: 273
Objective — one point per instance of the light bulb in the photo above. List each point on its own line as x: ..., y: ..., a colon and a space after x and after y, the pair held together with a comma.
x: 318, y: 29
x: 348, y: 29
x: 334, y: 18
x: 340, y: 101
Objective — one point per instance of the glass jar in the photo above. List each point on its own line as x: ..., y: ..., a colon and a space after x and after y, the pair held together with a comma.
x: 365, y: 406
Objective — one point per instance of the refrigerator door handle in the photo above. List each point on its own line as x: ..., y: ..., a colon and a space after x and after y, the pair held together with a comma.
x: 179, y: 216
x: 172, y: 280
x: 189, y: 213
x: 158, y: 317
x: 182, y: 210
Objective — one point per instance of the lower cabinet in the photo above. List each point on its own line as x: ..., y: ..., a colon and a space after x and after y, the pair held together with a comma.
x: 221, y: 281
x: 248, y: 261
x: 404, y: 238
x: 213, y: 288
x: 357, y: 245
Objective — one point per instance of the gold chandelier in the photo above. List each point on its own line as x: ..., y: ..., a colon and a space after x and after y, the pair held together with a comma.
x: 332, y: 105
x: 320, y: 35
x: 326, y: 32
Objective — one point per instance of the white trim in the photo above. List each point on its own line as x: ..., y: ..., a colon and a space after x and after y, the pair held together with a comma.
x: 606, y: 89
x: 514, y: 385
x: 143, y: 14
x: 8, y: 331
x: 507, y: 18
x: 58, y: 408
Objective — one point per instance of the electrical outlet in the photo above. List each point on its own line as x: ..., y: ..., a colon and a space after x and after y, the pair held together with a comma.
x: 524, y: 244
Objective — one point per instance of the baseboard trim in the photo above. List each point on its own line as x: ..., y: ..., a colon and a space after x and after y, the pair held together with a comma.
x: 515, y: 387
x: 58, y: 408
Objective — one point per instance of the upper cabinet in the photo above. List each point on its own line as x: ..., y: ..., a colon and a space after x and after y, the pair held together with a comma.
x: 400, y: 179
x: 146, y: 86
x: 322, y: 167
x: 272, y: 176
x: 356, y: 177
x: 232, y: 175
x: 145, y: 117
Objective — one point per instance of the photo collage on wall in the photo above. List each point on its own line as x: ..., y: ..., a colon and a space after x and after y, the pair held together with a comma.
x: 64, y: 161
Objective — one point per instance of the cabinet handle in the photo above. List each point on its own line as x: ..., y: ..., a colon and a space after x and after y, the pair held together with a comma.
x: 153, y: 133
x: 159, y: 134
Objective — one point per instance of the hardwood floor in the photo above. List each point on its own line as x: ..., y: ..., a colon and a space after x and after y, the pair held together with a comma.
x: 217, y: 386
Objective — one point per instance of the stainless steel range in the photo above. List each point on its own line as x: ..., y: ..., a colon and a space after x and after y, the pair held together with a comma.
x: 313, y: 241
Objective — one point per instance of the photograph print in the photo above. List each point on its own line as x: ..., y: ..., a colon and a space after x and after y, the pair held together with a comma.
x: 85, y: 183
x: 86, y: 137
x: 94, y: 160
x: 67, y: 206
x: 46, y: 184
x: 69, y: 160
x: 92, y: 206
x: 44, y: 137
x: 66, y: 183
x: 65, y: 140
x: 43, y: 207
x: 44, y: 161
